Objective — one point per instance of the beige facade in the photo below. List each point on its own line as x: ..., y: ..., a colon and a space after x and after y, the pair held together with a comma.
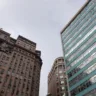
x: 57, y: 85
x: 20, y: 66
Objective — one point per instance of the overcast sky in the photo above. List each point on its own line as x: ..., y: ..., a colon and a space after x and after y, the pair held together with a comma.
x: 40, y: 21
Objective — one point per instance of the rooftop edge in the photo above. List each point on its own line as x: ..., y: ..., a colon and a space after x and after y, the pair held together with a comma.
x: 75, y: 16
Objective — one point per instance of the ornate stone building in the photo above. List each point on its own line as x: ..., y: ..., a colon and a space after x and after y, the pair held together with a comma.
x: 57, y: 85
x: 20, y: 66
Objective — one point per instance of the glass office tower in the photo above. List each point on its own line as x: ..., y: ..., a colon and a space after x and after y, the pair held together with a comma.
x: 79, y: 47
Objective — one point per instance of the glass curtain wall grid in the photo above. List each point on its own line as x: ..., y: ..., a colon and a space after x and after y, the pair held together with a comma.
x: 79, y: 47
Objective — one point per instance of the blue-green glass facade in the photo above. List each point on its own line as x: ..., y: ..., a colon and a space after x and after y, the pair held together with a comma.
x: 79, y: 47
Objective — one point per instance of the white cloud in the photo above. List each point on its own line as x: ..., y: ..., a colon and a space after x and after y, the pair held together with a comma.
x: 2, y: 4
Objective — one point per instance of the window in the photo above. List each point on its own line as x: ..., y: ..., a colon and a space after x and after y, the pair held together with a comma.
x: 63, y: 88
x: 1, y: 71
x: 17, y: 92
x: 84, y: 54
x: 92, y: 92
x: 82, y: 75
x: 83, y: 64
x: 84, y: 38
x: 62, y: 82
x: 57, y: 90
x: 60, y: 71
x: 7, y: 58
x: 91, y: 68
x: 82, y: 48
x: 23, y: 85
x: 93, y: 79
x: 64, y: 94
x: 61, y: 77
x: 84, y: 86
x: 56, y: 74
x: 9, y: 86
x: 2, y: 92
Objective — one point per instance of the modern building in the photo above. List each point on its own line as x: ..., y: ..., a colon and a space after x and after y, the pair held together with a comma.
x: 79, y: 47
x: 57, y: 85
x: 20, y: 65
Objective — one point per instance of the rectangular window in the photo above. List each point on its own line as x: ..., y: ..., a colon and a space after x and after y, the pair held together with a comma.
x: 62, y: 82
x: 61, y: 77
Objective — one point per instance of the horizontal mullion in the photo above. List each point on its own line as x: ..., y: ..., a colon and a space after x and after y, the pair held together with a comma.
x: 76, y: 36
x: 87, y: 56
x: 87, y: 90
x: 83, y: 69
x: 80, y: 53
x: 72, y: 31
x: 84, y: 80
x: 80, y: 44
